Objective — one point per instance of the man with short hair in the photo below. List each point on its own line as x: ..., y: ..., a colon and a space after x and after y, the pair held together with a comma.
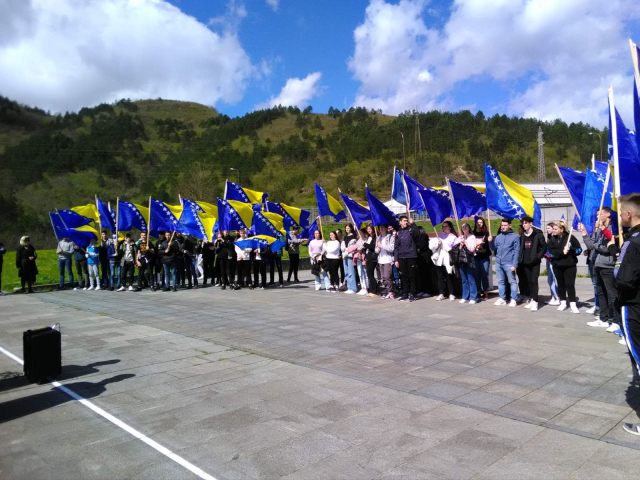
x: 294, y: 253
x: 627, y: 281
x: 104, y: 259
x: 506, y: 245
x: 167, y: 250
x: 128, y: 262
x: 65, y: 253
x: 405, y: 255
x: 532, y: 249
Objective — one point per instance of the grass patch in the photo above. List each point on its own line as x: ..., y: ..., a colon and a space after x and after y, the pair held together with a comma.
x: 47, y: 263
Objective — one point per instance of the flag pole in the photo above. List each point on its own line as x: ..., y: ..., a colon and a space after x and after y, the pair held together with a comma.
x: 99, y: 221
x: 320, y: 224
x: 117, y: 220
x: 357, y: 227
x: 607, y: 177
x: 568, y: 193
x: 149, y: 222
x: 489, y: 220
x: 406, y: 196
x: 453, y: 204
x: 616, y: 164
x: 62, y: 220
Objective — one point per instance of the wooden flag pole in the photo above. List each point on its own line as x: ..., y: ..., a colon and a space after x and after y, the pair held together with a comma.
x: 406, y: 196
x: 353, y: 222
x: 453, y: 205
x: 320, y: 225
x: 489, y: 221
x: 149, y: 222
x: 117, y: 219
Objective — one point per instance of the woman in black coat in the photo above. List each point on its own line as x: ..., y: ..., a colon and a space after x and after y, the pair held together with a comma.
x: 26, y: 264
x: 564, y: 253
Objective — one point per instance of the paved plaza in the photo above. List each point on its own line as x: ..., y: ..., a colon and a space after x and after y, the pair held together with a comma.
x: 298, y: 384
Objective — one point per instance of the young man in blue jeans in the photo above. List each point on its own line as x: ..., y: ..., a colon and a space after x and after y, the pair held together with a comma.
x: 65, y: 253
x: 506, y: 245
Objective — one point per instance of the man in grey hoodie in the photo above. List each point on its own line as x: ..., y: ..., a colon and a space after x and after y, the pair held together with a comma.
x: 65, y: 253
x: 506, y: 245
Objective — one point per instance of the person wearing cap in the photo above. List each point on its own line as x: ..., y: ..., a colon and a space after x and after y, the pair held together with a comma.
x: 603, y: 264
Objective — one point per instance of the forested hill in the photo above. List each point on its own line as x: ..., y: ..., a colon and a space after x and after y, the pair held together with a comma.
x: 164, y: 148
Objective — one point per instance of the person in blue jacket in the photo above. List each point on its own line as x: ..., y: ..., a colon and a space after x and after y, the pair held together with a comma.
x: 506, y: 245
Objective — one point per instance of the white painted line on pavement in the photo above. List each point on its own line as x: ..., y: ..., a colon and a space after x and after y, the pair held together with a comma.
x: 140, y: 436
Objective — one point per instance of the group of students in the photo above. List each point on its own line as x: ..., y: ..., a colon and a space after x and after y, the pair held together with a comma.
x: 173, y: 261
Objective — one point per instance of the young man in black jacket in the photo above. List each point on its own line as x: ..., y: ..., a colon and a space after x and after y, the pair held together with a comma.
x: 405, y: 255
x: 627, y: 281
x: 532, y: 249
x: 167, y: 250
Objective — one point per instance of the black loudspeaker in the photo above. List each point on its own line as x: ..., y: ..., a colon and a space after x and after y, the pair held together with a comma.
x: 42, y: 353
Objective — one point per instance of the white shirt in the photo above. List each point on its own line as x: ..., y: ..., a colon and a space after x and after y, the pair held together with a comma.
x: 384, y: 248
x: 332, y: 249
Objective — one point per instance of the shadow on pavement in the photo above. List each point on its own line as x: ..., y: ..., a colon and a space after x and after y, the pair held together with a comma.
x: 11, y: 380
x: 21, y: 407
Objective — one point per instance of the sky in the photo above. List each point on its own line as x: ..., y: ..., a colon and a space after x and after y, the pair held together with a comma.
x: 546, y: 59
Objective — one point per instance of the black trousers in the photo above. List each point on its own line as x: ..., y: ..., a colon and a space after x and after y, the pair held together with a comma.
x: 145, y: 268
x: 208, y: 268
x: 445, y: 281
x: 83, y: 273
x: 566, y: 278
x: 371, y: 276
x: 104, y: 272
x: 532, y: 272
x: 409, y: 275
x: 333, y: 266
x: 275, y: 261
x: 523, y: 284
x: 180, y: 269
x: 607, y: 295
x: 294, y: 262
x: 259, y: 273
x: 243, y: 272
x: 189, y: 272
x: 224, y: 266
x: 128, y: 271
x: 231, y: 271
x: 341, y: 269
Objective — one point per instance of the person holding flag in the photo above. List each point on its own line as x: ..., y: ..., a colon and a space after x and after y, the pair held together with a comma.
x: 627, y: 281
x: 405, y: 255
x: 332, y: 250
x: 385, y: 246
x: 564, y: 250
x: 243, y: 265
x: 532, y: 250
x: 294, y: 253
x: 167, y: 250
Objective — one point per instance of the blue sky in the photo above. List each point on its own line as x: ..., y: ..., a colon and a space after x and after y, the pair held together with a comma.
x: 536, y: 58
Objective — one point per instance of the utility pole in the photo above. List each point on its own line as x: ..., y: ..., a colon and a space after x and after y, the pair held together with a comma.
x: 541, y: 170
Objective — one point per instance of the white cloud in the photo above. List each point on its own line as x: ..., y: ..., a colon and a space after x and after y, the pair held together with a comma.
x: 296, y: 92
x: 67, y: 54
x: 567, y: 51
x: 274, y: 4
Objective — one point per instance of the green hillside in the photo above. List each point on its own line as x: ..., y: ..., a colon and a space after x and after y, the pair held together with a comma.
x: 165, y: 148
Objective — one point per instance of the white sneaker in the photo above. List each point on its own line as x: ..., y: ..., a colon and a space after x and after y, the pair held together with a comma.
x: 121, y: 289
x: 472, y: 302
x: 452, y: 298
x: 349, y: 292
x: 500, y: 302
x: 554, y: 301
x: 317, y: 287
x: 622, y: 341
x: 613, y: 328
x: 529, y: 304
x: 85, y: 288
x: 534, y: 306
x: 513, y: 303
x: 563, y: 306
x: 463, y: 301
x: 362, y: 292
x: 592, y: 310
x: 98, y: 287
x: 598, y: 323
x: 130, y: 288
x: 574, y: 307
x: 439, y: 298
x: 75, y: 289
x: 90, y: 288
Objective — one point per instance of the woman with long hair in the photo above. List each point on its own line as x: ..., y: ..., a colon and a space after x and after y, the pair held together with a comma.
x: 316, y: 249
x: 385, y: 243
x: 348, y: 247
x: 360, y: 263
x: 371, y: 258
x: 551, y: 278
x: 441, y: 247
x: 483, y: 256
x: 466, y: 242
x: 564, y: 251
x: 331, y: 250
